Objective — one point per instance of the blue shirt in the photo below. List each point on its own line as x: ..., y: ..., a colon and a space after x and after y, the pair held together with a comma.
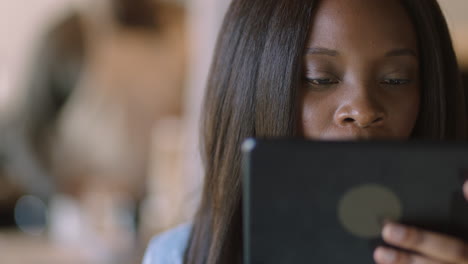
x: 169, y: 247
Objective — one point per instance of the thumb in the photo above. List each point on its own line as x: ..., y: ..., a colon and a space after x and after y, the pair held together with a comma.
x: 465, y: 189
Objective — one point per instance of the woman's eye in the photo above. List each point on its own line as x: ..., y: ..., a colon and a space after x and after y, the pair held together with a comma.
x: 396, y: 81
x: 322, y: 81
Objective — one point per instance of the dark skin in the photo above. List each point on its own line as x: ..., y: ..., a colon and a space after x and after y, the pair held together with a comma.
x: 362, y: 82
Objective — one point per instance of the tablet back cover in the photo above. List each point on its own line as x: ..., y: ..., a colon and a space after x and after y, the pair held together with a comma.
x: 324, y: 202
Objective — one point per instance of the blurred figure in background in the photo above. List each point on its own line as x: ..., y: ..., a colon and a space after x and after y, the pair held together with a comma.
x: 55, y: 74
x: 105, y: 77
x: 133, y: 78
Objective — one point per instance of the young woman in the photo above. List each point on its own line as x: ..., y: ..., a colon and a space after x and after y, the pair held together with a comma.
x: 328, y: 69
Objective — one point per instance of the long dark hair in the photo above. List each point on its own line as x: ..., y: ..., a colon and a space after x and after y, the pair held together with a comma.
x: 253, y: 92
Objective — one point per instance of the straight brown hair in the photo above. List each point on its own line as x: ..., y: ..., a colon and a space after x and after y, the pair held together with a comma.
x: 253, y: 91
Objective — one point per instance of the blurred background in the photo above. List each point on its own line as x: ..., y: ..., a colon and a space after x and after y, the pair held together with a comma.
x: 99, y: 109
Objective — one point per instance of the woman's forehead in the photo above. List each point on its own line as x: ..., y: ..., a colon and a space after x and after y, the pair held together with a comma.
x: 362, y: 25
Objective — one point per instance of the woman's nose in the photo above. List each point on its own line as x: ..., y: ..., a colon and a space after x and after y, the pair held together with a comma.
x: 361, y: 112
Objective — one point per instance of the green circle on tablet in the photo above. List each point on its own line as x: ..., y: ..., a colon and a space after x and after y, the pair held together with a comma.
x: 363, y: 209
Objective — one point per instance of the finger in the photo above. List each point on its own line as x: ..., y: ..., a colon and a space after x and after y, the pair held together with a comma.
x: 383, y: 255
x: 465, y: 189
x: 432, y: 245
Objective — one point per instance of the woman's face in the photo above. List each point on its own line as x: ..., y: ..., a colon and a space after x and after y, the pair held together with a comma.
x: 361, y: 78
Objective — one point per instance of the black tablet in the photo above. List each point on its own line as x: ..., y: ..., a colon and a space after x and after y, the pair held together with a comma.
x: 324, y: 202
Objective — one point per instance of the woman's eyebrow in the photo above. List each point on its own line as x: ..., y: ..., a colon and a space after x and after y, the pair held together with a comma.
x: 334, y: 53
x: 401, y: 52
x: 322, y: 51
